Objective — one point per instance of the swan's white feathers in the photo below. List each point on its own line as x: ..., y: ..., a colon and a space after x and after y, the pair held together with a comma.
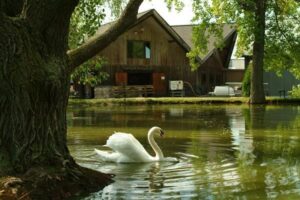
x: 127, y: 149
x: 108, y: 157
x: 125, y: 146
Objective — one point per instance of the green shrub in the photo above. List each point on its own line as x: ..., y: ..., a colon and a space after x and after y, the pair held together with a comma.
x: 246, y: 85
x: 295, y: 92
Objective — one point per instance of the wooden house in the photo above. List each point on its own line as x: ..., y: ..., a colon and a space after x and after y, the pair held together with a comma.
x: 150, y: 54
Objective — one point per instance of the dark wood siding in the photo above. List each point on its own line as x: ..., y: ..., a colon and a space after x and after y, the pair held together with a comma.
x: 164, y: 49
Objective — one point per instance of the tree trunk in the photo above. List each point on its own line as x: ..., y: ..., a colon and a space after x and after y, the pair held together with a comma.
x: 257, y: 94
x: 34, y: 89
x: 34, y: 94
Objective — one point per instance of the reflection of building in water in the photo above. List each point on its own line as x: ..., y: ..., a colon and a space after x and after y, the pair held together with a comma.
x: 241, y: 141
x: 176, y: 112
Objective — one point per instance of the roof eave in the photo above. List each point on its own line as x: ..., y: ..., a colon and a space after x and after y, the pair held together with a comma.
x: 215, y: 49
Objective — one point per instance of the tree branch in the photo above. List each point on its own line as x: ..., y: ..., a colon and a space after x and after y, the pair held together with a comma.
x: 99, y: 41
x: 247, y: 5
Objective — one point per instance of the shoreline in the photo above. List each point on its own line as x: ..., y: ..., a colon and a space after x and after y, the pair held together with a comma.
x: 178, y: 100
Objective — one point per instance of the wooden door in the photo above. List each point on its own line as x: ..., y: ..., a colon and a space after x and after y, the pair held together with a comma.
x: 121, y: 78
x: 159, y: 84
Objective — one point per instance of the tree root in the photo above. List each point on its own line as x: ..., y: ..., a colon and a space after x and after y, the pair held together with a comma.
x: 45, y: 183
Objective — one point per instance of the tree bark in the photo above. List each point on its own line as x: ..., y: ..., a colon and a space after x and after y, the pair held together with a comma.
x: 11, y: 8
x: 257, y: 94
x: 34, y: 94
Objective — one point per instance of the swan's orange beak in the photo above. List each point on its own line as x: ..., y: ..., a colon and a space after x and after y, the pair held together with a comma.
x: 161, y: 133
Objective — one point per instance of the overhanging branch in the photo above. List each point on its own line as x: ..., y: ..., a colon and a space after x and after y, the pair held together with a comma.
x: 99, y: 41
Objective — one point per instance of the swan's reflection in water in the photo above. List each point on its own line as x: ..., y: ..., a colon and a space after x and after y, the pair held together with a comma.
x: 155, y: 177
x: 134, y: 181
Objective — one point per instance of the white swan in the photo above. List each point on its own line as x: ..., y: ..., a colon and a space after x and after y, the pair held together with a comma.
x: 127, y: 149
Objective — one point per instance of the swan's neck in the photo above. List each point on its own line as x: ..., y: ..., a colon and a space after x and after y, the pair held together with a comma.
x: 158, y: 153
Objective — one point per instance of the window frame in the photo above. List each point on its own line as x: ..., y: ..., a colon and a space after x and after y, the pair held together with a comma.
x: 146, y: 45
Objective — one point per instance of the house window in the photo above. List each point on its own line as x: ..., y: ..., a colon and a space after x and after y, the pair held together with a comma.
x: 138, y: 49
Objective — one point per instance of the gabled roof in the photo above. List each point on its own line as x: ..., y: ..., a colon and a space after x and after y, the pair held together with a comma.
x: 186, y: 33
x: 182, y: 34
x: 105, y: 27
x: 143, y: 16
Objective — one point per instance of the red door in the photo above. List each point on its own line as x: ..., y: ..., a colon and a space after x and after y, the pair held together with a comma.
x: 159, y: 84
x: 121, y: 78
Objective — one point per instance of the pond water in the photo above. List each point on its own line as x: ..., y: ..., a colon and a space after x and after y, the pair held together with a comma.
x: 224, y: 152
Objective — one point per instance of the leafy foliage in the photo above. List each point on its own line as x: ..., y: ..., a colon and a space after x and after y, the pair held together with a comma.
x: 85, y: 21
x: 88, y: 16
x: 295, y: 92
x: 90, y: 73
x: 116, y: 6
x: 210, y: 17
x: 178, y: 4
x: 283, y: 37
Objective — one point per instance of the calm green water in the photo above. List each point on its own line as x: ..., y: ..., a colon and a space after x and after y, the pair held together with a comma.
x: 224, y: 152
